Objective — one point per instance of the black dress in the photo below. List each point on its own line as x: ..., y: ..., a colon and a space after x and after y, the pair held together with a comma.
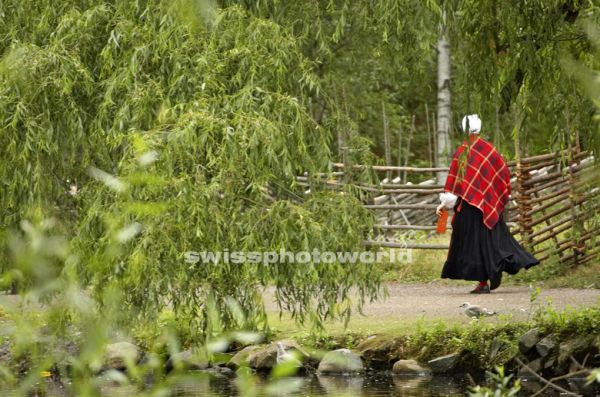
x: 480, y: 254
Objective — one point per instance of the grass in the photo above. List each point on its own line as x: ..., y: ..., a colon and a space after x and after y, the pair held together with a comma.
x: 285, y: 327
x: 552, y: 275
x: 359, y: 328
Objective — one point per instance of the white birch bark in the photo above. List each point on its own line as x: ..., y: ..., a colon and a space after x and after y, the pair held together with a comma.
x: 442, y: 158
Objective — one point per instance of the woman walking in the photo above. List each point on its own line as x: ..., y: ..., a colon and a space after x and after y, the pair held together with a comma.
x: 478, y: 188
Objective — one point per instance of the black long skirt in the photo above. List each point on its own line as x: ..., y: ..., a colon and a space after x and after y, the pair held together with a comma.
x: 480, y: 254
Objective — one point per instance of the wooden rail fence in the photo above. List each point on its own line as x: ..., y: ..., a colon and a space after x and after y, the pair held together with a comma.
x: 553, y: 209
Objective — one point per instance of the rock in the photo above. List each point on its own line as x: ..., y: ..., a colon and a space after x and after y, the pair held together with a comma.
x: 528, y: 340
x: 535, y: 365
x: 265, y: 357
x: 219, y: 372
x: 377, y: 351
x: 549, y: 364
x: 495, y: 348
x: 187, y: 359
x: 581, y: 387
x: 118, y: 354
x: 529, y: 388
x: 241, y: 358
x: 340, y: 361
x: 580, y: 345
x: 546, y: 345
x: 224, y: 371
x: 444, y: 364
x: 409, y: 367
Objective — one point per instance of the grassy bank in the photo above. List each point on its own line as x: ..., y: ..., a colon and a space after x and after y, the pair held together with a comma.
x: 481, y: 344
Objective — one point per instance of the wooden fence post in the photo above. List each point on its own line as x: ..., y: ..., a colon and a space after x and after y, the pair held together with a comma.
x: 577, y: 226
x: 523, y: 198
x: 523, y: 203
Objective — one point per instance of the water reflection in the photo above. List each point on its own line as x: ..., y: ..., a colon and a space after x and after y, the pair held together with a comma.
x: 370, y: 385
x: 429, y: 386
x: 347, y: 385
x: 377, y: 385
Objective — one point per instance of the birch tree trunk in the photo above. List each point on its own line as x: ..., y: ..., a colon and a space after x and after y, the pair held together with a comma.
x: 443, y: 105
x: 386, y: 140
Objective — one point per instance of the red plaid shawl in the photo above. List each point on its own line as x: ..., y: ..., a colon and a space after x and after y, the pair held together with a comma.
x: 486, y: 181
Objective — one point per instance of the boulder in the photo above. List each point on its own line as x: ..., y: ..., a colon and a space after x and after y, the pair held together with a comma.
x: 550, y: 363
x: 116, y: 355
x: 580, y: 345
x: 187, y: 359
x: 241, y: 358
x: 528, y: 340
x: 535, y: 365
x: 546, y: 345
x: 340, y: 361
x: 265, y: 357
x: 444, y: 364
x: 376, y: 351
x: 409, y: 367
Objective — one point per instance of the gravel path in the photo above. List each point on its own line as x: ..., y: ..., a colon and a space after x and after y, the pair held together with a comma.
x: 442, y: 301
x: 408, y: 303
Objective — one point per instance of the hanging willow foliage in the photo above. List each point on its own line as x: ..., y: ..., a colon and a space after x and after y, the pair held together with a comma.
x: 194, y: 129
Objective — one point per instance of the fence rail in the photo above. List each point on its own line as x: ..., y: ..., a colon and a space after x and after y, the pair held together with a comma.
x: 552, y: 210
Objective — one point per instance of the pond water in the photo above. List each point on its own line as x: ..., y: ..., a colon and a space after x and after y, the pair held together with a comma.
x: 369, y: 385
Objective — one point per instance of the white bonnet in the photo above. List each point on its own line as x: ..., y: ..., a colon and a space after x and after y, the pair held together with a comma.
x: 474, y: 124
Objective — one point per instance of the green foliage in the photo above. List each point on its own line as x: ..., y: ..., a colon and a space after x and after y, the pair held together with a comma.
x: 486, y: 345
x: 594, y: 376
x: 511, y: 54
x: 477, y: 339
x: 570, y: 322
x: 503, y: 386
x: 179, y: 134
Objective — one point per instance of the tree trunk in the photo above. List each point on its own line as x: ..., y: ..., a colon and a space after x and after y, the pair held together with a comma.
x: 386, y: 140
x: 442, y: 158
x: 429, y: 138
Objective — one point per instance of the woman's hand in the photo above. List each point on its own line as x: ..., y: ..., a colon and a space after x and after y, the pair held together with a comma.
x: 439, y: 209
